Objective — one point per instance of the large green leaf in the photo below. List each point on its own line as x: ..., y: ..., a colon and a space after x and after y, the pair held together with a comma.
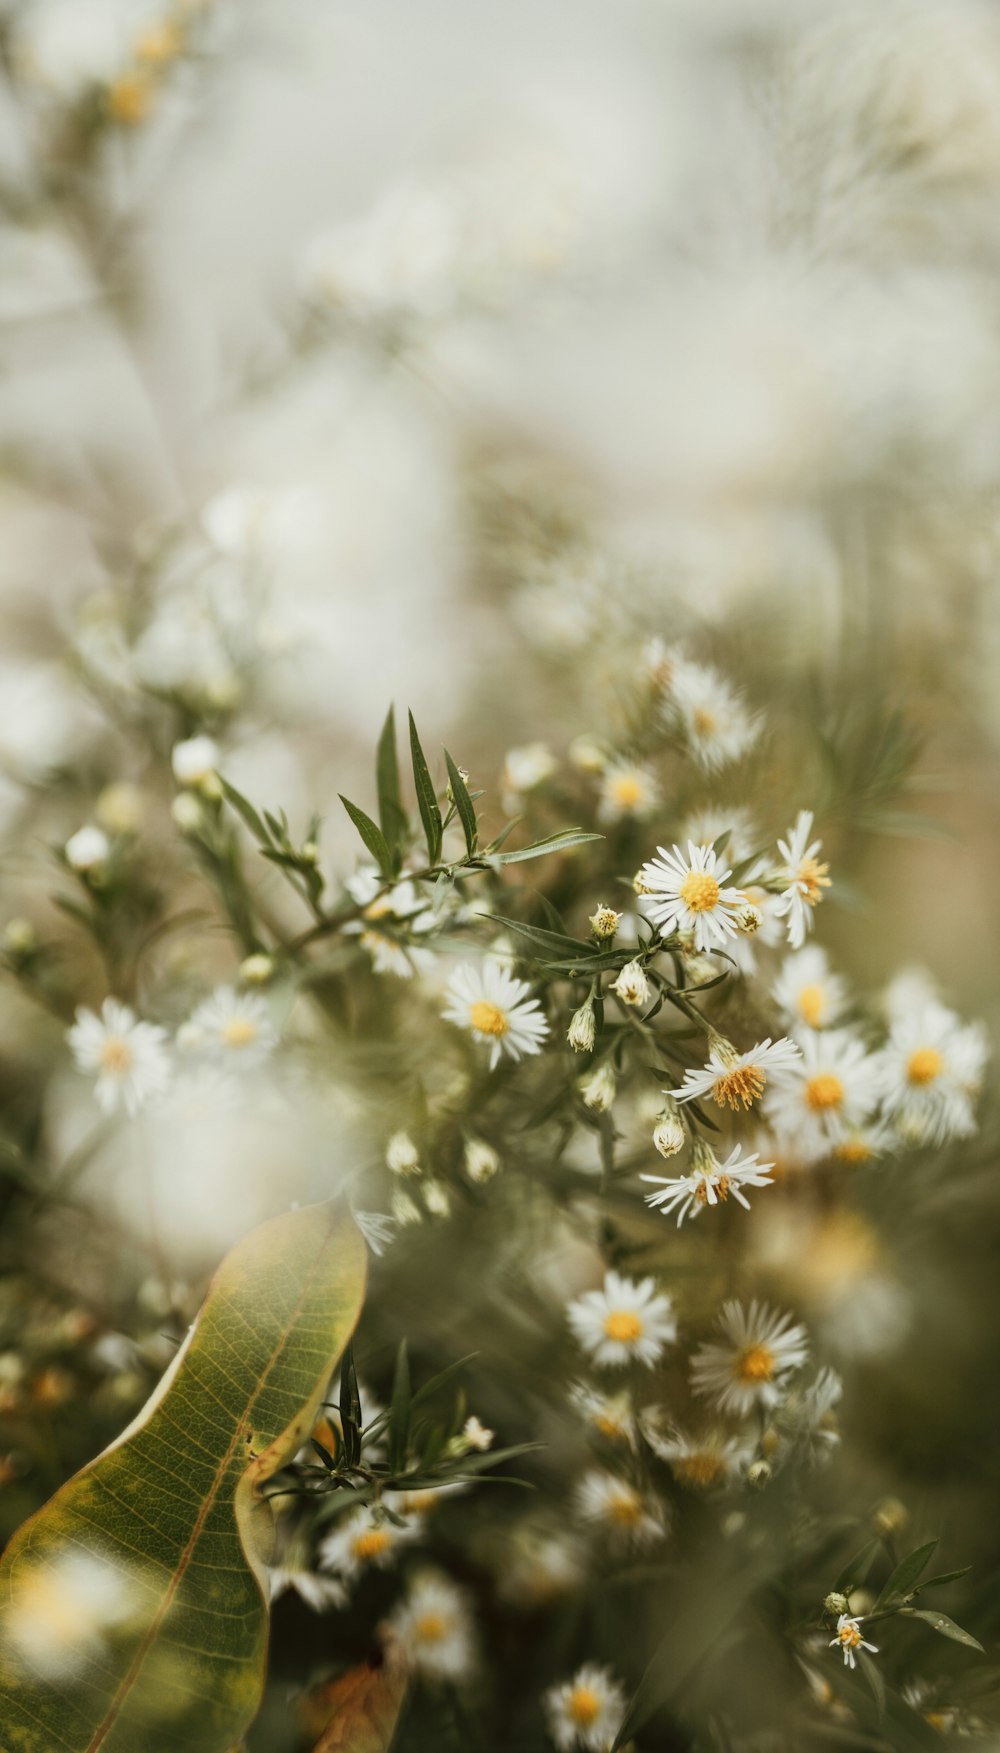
x: 133, y: 1606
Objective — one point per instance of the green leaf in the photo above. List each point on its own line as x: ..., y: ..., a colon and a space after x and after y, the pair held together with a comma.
x: 907, y: 1572
x: 350, y: 1409
x: 945, y: 1576
x: 371, y: 834
x: 464, y: 805
x: 133, y: 1605
x: 947, y: 1627
x: 552, y: 941
x: 399, y: 1413
x: 391, y: 813
x: 561, y: 842
x: 245, y: 810
x: 427, y: 802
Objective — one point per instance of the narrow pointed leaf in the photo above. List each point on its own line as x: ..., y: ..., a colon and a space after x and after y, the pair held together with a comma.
x: 946, y: 1576
x: 464, y: 805
x: 245, y: 810
x: 907, y: 1572
x: 947, y: 1627
x: 391, y: 813
x: 427, y: 802
x: 371, y: 834
x: 399, y: 1414
x: 133, y: 1605
x: 561, y: 842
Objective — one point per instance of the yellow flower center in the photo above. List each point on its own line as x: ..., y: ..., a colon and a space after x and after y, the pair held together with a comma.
x: 743, y: 1085
x: 430, y: 1627
x: 721, y: 1189
x: 823, y: 1092
x: 623, y: 1326
x: 812, y: 1005
x: 488, y: 1018
x: 116, y: 1056
x: 699, y: 891
x: 699, y: 1469
x: 161, y: 43
x: 609, y: 1426
x: 849, y: 1636
x: 853, y: 1150
x: 583, y: 1707
x: 238, y: 1031
x: 378, y: 908
x: 755, y: 1364
x: 924, y: 1066
x: 371, y: 1543
x: 625, y: 1509
x: 130, y: 98
x: 627, y: 791
x: 704, y: 721
x: 812, y: 876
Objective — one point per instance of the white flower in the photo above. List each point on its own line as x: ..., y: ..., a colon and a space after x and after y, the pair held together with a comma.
x: 497, y: 1009
x: 476, y: 1435
x: 833, y: 1087
x: 582, y: 1031
x: 699, y: 1462
x: 481, y: 1161
x: 737, y: 1079
x: 709, y: 1183
x: 804, y: 879
x: 527, y: 767
x: 130, y: 1057
x: 431, y: 1631
x: 627, y: 790
x: 378, y: 1230
x: 401, y: 1155
x: 436, y: 1198
x: 627, y: 1517
x: 929, y: 1073
x: 233, y: 1027
x: 760, y: 1349
x: 705, y: 826
x: 850, y: 1639
x: 815, y: 1417
x: 87, y: 848
x: 538, y: 1565
x: 586, y: 1711
x: 598, y: 1090
x: 717, y: 727
x: 610, y: 1415
x: 57, y: 1612
x: 688, y: 894
x: 318, y: 1592
x: 622, y: 1321
x: 361, y: 1539
x: 195, y: 760
x: 632, y: 986
x: 806, y: 992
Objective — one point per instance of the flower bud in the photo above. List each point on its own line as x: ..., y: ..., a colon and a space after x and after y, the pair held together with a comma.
x: 437, y: 1198
x: 749, y: 919
x: 86, y: 849
x: 890, y: 1516
x: 256, y: 970
x: 309, y: 853
x: 187, y: 813
x: 582, y: 1031
x: 605, y: 922
x: 836, y: 1603
x: 121, y: 808
x: 669, y: 1134
x: 402, y: 1155
x: 194, y: 761
x: 632, y: 986
x: 20, y: 939
x: 404, y: 1209
x: 481, y: 1161
x: 598, y: 1091
x: 759, y: 1474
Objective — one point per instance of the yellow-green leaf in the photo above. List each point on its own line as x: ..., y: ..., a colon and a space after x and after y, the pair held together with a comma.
x: 133, y: 1606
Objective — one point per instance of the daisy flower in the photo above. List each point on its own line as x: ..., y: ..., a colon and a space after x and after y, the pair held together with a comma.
x: 628, y: 790
x: 538, y: 1565
x: 709, y: 1183
x: 585, y: 1712
x: 622, y: 1321
x: 609, y: 1415
x: 627, y: 1517
x: 318, y: 1592
x: 759, y: 1349
x: 929, y: 1073
x: 129, y: 1057
x: 705, y: 826
x: 497, y: 1009
x: 402, y: 906
x: 850, y: 1639
x: 734, y: 1079
x: 687, y: 894
x: 816, y: 1419
x: 431, y: 1631
x: 362, y: 1539
x: 806, y: 992
x: 233, y: 1027
x: 698, y: 1462
x: 716, y: 725
x: 832, y: 1088
x: 803, y: 877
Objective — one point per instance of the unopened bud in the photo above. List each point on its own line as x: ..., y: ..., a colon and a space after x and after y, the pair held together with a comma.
x: 632, y: 986
x: 402, y: 1155
x: 749, y: 919
x: 641, y: 884
x: 20, y: 939
x: 598, y: 1091
x: 256, y: 970
x: 86, y: 849
x: 890, y: 1516
x: 669, y: 1134
x: 481, y: 1161
x: 759, y: 1474
x: 836, y: 1603
x: 582, y: 1031
x: 310, y: 853
x: 404, y: 1209
x: 437, y: 1198
x: 194, y: 761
